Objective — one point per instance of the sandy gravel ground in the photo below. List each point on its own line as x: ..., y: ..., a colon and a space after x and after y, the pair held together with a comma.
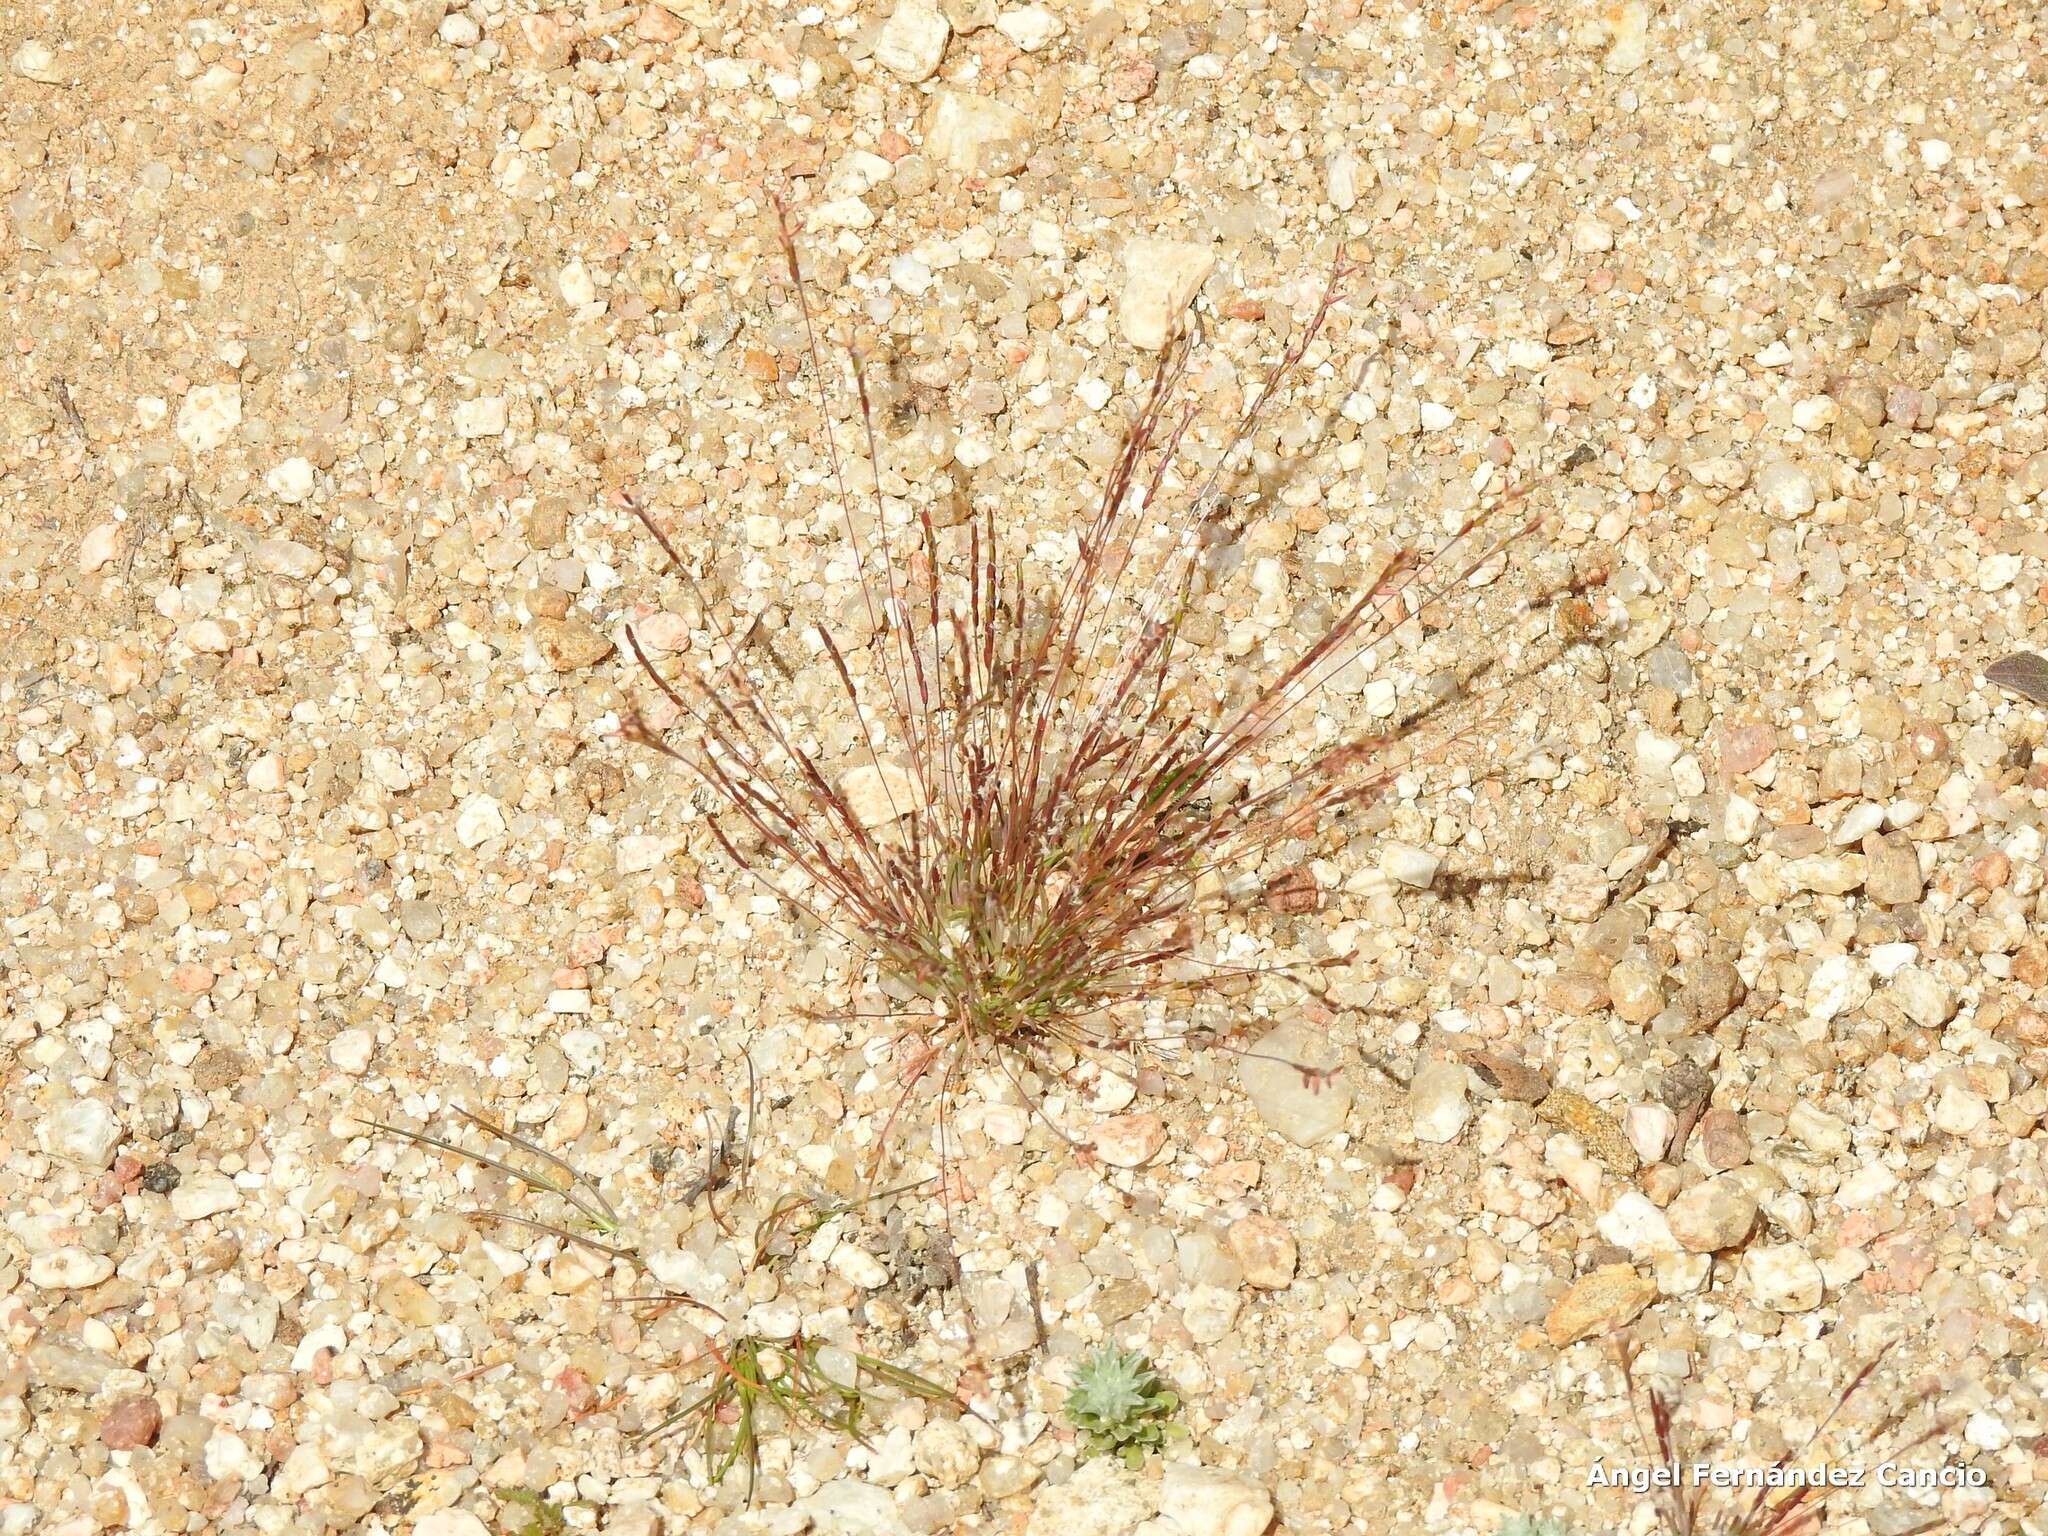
x: 1697, y: 991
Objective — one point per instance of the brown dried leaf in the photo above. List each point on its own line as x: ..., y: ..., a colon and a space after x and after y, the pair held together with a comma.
x: 2022, y: 673
x: 1513, y: 1077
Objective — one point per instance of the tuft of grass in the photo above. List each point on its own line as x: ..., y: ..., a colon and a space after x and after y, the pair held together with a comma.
x: 1044, y: 784
x: 1691, y: 1508
x: 1120, y: 1405
x: 757, y: 1384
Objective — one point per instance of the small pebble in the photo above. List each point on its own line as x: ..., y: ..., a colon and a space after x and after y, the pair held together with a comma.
x: 83, y: 1130
x: 201, y: 1195
x: 946, y: 1453
x: 1209, y: 1312
x: 1783, y: 1277
x: 352, y: 1049
x: 1031, y: 27
x: 859, y: 1267
x: 99, y: 547
x: 1265, y: 1249
x: 1785, y: 489
x: 975, y: 135
x: 344, y: 18
x: 131, y: 1424
x: 913, y: 40
x: 208, y: 415
x: 1129, y: 1141
x: 1636, y: 991
x: 1959, y: 1111
x: 1209, y: 1501
x: 1003, y: 1476
x: 1292, y: 1077
x: 286, y: 557
x: 1713, y: 988
x: 1927, y: 1000
x: 1609, y: 1298
x: 1577, y: 892
x: 569, y: 645
x: 1722, y: 1140
x: 1437, y: 1104
x: 878, y: 793
x: 68, y: 1269
x: 576, y: 285
x: 479, y: 820
x: 1161, y: 278
x: 35, y: 60
x: 1840, y: 984
x: 1714, y: 1214
x: 291, y: 482
x: 1820, y: 1131
x: 484, y: 417
x: 1632, y: 1222
x: 1650, y: 1128
x: 1408, y: 866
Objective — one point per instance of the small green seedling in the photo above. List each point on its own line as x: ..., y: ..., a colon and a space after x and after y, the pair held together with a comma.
x: 540, y: 1515
x: 753, y: 1378
x: 1120, y: 1405
x: 1533, y: 1525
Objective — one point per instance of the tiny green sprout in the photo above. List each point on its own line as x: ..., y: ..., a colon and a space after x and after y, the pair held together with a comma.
x: 1534, y: 1525
x: 536, y: 1514
x: 757, y: 1383
x: 1120, y: 1405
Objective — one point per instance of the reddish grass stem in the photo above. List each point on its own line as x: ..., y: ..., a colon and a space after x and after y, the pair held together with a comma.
x: 1689, y: 1509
